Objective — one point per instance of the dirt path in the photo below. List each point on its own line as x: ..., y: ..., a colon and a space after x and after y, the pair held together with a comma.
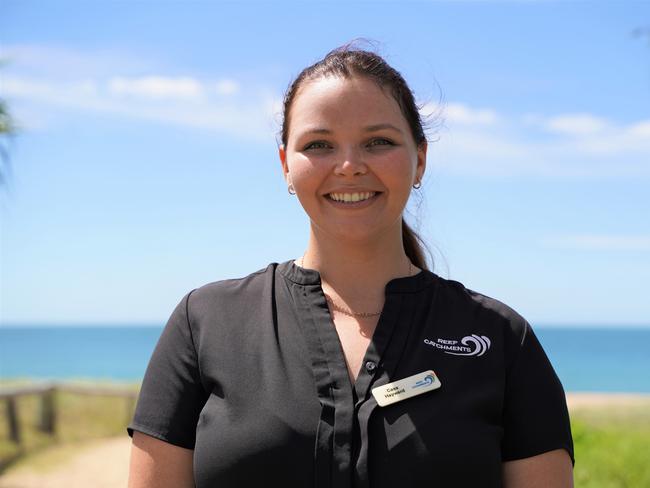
x: 102, y: 463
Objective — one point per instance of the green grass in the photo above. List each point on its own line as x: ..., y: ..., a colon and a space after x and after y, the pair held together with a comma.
x: 612, y: 444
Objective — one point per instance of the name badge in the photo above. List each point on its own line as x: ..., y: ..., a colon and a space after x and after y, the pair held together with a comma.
x: 406, y: 388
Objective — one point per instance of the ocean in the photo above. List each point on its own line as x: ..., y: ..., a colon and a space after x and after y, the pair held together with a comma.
x: 593, y: 359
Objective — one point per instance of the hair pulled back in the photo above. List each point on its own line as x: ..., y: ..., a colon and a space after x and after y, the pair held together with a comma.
x: 347, y: 61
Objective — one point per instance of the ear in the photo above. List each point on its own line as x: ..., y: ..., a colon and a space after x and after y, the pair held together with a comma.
x: 283, y: 160
x: 422, y: 161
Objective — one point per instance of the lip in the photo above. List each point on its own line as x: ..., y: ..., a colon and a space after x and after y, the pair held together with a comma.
x: 351, y: 189
x: 353, y: 205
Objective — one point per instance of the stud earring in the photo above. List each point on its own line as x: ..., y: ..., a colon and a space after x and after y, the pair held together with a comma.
x: 291, y: 190
x: 417, y: 185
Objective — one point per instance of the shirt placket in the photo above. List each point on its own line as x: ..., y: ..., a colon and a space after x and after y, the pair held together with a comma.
x: 332, y: 454
x: 341, y: 450
x: 386, y: 350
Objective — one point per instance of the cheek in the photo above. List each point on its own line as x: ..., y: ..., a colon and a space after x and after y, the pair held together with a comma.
x: 397, y: 173
x: 305, y: 174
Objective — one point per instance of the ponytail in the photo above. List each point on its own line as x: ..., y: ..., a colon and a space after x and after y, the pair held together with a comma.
x: 414, y: 246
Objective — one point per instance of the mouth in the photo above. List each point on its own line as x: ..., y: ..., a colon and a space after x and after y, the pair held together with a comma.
x: 355, y: 197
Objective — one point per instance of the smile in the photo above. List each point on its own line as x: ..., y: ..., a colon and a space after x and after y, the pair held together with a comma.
x: 351, y: 197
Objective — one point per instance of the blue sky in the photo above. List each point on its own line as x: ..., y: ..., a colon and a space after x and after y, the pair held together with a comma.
x: 147, y: 161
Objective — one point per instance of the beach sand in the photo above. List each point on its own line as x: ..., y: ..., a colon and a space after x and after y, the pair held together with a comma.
x: 104, y: 463
x: 598, y: 400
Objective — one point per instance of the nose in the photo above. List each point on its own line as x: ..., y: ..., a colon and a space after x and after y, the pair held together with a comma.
x: 351, y: 163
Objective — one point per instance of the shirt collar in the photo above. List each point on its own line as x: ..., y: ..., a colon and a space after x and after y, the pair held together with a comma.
x: 406, y: 284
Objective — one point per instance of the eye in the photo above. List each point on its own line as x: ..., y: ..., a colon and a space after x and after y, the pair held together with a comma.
x: 381, y: 142
x: 316, y: 145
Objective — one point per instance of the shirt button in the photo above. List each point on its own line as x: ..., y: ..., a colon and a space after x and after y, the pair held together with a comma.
x: 371, y: 366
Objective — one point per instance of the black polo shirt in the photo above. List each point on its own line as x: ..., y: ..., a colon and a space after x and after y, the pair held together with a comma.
x: 251, y: 375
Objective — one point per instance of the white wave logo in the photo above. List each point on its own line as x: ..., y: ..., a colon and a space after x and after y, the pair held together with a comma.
x: 479, y: 345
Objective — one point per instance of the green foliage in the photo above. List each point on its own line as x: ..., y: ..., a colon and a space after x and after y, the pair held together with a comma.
x: 6, y: 124
x: 612, y: 446
x: 7, y: 129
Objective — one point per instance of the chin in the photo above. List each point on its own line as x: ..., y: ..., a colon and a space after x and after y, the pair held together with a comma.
x: 359, y: 234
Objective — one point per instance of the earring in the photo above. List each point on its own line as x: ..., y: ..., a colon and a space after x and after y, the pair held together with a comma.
x: 291, y: 190
x: 417, y: 185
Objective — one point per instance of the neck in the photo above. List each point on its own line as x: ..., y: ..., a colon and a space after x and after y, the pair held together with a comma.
x: 357, y: 270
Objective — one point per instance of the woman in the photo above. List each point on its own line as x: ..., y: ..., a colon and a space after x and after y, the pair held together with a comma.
x: 353, y: 365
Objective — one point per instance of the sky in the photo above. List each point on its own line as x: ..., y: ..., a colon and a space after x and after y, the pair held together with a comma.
x: 146, y: 159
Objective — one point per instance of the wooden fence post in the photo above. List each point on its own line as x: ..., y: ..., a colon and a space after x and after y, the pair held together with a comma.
x: 47, y: 422
x: 12, y: 418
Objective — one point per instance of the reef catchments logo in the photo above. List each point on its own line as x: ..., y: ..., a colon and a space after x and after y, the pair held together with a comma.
x: 471, y: 345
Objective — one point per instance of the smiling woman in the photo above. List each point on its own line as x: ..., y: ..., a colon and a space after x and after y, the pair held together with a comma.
x: 355, y: 143
x: 355, y: 365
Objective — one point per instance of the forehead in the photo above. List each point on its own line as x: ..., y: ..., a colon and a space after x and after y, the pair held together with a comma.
x: 338, y: 101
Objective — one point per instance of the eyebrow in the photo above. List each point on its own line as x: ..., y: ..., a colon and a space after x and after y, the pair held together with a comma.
x: 376, y: 127
x: 370, y: 128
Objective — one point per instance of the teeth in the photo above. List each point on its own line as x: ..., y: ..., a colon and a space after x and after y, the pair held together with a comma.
x: 351, y: 197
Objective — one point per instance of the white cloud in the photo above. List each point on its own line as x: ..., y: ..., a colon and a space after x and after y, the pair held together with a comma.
x: 61, y: 63
x: 462, y: 114
x: 226, y: 87
x: 156, y: 98
x: 576, y: 124
x: 599, y: 242
x: 458, y: 113
x: 560, y: 146
x: 21, y: 87
x: 640, y: 129
x: 156, y: 87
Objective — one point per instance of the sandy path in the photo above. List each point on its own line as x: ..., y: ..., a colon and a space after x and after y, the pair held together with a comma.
x: 103, y: 463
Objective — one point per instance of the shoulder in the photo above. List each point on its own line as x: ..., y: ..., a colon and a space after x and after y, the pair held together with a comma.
x: 231, y: 291
x: 234, y: 285
x: 464, y: 300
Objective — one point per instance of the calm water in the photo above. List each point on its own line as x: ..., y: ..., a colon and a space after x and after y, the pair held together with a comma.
x: 585, y: 359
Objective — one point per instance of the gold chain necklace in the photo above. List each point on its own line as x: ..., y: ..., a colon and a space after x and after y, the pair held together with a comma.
x: 350, y: 313
x: 347, y: 312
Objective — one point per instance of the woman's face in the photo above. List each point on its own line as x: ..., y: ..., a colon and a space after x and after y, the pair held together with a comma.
x: 350, y: 157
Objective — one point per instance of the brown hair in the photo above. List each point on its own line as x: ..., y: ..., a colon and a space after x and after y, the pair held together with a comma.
x: 345, y: 62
